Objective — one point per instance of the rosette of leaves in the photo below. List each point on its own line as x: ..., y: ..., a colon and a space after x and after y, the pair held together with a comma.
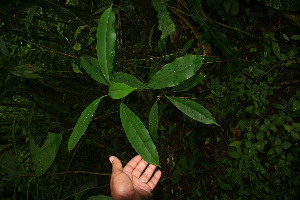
x: 179, y: 73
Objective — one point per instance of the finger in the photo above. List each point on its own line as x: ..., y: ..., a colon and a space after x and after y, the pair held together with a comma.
x: 154, y: 180
x: 148, y: 173
x: 131, y: 165
x: 140, y: 168
x: 116, y: 165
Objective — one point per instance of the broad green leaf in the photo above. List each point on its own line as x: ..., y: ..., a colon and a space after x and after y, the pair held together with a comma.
x: 165, y: 23
x: 43, y: 156
x: 128, y: 79
x: 153, y: 121
x: 119, y: 90
x: 138, y: 135
x: 193, y: 110
x: 189, y: 83
x: 3, y: 47
x: 92, y: 67
x: 99, y: 197
x: 106, y: 37
x: 211, y: 31
x: 176, y: 72
x: 82, y: 123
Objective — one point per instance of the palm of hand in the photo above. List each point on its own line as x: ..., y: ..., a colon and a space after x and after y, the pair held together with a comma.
x: 133, y: 181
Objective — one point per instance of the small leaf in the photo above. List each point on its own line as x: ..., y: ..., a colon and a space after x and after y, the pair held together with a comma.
x: 43, y: 157
x: 165, y: 23
x: 138, y: 135
x: 3, y: 47
x: 128, y: 79
x: 286, y: 145
x: 106, y: 37
x: 296, y: 105
x: 176, y: 72
x: 119, y: 90
x: 153, y: 121
x: 30, y: 16
x: 186, y: 47
x: 295, y: 37
x: 92, y: 67
x: 234, y: 154
x: 79, y: 29
x: 82, y: 123
x: 235, y: 144
x: 77, y: 47
x: 193, y: 110
x: 76, y: 69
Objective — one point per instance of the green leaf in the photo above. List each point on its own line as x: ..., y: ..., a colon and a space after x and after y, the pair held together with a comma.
x: 286, y: 145
x: 189, y: 83
x: 92, y: 67
x: 296, y: 105
x: 82, y: 123
x: 211, y: 31
x: 193, y: 110
x: 99, y: 197
x: 235, y: 144
x: 138, y: 135
x: 3, y: 47
x: 186, y: 47
x: 232, y: 5
x: 27, y: 71
x: 106, y: 37
x: 43, y: 157
x: 276, y: 50
x: 153, y: 121
x: 165, y: 23
x: 234, y: 154
x: 176, y: 72
x: 119, y: 90
x: 295, y: 37
x: 30, y: 16
x: 77, y: 47
x: 128, y: 79
x: 76, y: 68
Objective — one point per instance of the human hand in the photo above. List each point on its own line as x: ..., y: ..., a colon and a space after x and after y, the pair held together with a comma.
x: 134, y: 181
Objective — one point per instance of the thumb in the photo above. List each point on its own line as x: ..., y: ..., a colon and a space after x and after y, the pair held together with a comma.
x: 116, y: 165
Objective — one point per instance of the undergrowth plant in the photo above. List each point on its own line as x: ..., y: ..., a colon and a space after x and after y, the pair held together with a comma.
x: 262, y: 165
x: 175, y: 74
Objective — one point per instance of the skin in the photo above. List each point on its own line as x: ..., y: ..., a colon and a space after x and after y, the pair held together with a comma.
x: 135, y: 181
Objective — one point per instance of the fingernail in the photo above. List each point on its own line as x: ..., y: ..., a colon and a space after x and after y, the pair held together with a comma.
x: 111, y: 159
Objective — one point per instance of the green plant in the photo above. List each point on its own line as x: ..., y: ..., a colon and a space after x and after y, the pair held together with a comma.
x: 122, y: 84
x: 263, y: 159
